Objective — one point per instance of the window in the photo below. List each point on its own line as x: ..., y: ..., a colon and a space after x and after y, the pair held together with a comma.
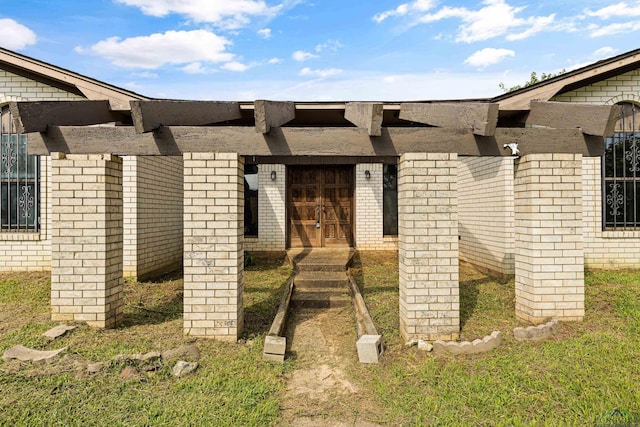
x: 19, y: 182
x: 251, y: 200
x: 621, y: 173
x: 390, y: 200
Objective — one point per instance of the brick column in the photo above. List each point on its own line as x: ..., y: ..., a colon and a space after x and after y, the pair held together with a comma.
x: 428, y: 246
x: 213, y: 245
x: 86, y: 243
x: 549, y: 257
x: 369, y: 226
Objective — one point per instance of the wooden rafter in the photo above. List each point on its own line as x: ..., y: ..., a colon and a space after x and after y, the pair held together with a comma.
x: 150, y: 115
x: 366, y: 115
x: 272, y: 114
x: 592, y: 119
x: 321, y: 141
x: 481, y: 118
x: 37, y: 116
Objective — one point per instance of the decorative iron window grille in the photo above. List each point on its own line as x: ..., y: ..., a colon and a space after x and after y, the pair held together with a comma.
x: 621, y: 174
x: 19, y: 181
x: 390, y: 200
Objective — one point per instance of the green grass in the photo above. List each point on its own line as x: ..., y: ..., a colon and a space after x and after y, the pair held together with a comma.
x: 588, y: 370
x: 579, y: 377
x: 233, y: 385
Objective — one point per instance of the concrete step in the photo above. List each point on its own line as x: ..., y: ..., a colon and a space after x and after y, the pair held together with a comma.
x: 327, y: 279
x: 307, y: 299
x: 328, y: 266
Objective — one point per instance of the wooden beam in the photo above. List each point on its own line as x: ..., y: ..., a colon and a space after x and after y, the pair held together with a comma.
x: 272, y: 114
x: 366, y: 115
x: 150, y: 115
x: 290, y: 141
x: 594, y: 120
x: 481, y: 118
x: 36, y: 116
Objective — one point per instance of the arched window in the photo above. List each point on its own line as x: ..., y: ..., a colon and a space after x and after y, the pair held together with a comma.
x: 621, y: 172
x: 19, y: 180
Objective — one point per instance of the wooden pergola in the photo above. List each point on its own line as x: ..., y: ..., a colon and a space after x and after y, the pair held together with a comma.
x: 423, y: 136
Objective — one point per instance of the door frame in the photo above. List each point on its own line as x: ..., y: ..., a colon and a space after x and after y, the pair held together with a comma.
x: 289, y: 202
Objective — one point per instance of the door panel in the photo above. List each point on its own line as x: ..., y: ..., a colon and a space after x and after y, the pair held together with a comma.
x: 320, y: 206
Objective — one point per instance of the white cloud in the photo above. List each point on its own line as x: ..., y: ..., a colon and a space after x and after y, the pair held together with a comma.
x: 494, y: 19
x: 194, y: 68
x: 332, y: 45
x: 224, y: 13
x: 605, y: 52
x: 235, y: 66
x: 322, y: 73
x: 404, y: 9
x: 301, y: 55
x: 611, y: 29
x: 146, y: 75
x: 265, y: 33
x: 274, y: 61
x: 157, y: 50
x: 489, y: 56
x: 14, y: 35
x: 615, y: 10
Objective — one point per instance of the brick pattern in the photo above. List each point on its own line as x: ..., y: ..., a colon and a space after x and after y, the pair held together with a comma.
x: 428, y: 246
x: 30, y: 251
x: 485, y: 206
x: 17, y: 88
x: 213, y: 245
x: 369, y: 212
x: 86, y: 267
x: 611, y: 249
x: 272, y: 210
x: 153, y: 215
x: 549, y: 257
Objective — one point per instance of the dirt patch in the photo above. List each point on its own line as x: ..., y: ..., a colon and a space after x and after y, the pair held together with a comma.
x: 322, y: 390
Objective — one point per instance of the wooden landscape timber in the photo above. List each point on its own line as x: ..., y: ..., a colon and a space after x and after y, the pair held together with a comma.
x: 481, y: 118
x: 272, y: 114
x: 150, y: 115
x: 308, y: 141
x: 37, y: 116
x: 594, y: 120
x: 366, y: 115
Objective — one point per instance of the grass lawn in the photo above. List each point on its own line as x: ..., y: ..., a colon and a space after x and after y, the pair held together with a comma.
x: 577, y: 378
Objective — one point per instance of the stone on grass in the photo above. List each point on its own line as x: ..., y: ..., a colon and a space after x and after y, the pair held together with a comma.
x: 183, y: 368
x: 25, y: 354
x: 411, y: 343
x: 58, y: 331
x: 129, y: 373
x: 151, y: 356
x: 424, y: 346
x: 189, y: 352
x: 94, y: 368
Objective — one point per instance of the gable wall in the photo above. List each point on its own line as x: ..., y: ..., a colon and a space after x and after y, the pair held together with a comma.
x: 605, y: 249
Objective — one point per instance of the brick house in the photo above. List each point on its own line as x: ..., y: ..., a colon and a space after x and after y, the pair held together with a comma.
x: 509, y: 185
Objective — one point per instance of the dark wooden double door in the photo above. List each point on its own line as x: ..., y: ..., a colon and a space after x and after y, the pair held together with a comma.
x: 320, y: 206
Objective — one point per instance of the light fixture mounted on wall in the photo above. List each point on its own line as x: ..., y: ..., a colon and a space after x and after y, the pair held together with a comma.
x: 273, y: 175
x: 367, y: 174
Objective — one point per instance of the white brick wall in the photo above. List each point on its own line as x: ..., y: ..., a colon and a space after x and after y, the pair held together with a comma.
x: 605, y: 249
x: 153, y: 215
x: 369, y: 212
x: 30, y: 251
x: 213, y: 245
x: 272, y: 210
x: 428, y: 246
x: 86, y: 267
x: 485, y: 206
x: 549, y: 257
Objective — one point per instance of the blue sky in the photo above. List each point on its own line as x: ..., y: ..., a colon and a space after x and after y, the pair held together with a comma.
x: 318, y: 50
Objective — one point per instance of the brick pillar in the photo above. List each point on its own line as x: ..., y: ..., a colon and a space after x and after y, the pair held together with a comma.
x: 428, y: 246
x: 86, y: 243
x: 213, y: 245
x: 549, y: 256
x: 369, y: 226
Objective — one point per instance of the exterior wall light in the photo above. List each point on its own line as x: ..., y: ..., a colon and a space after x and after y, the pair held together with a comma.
x: 367, y: 174
x: 273, y: 175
